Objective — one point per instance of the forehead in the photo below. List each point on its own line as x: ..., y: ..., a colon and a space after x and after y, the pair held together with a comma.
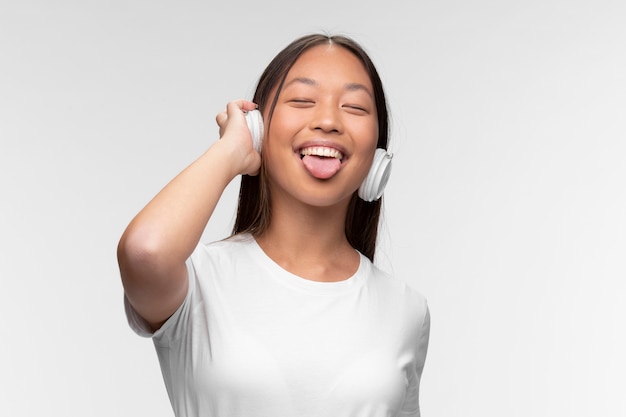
x: 329, y: 63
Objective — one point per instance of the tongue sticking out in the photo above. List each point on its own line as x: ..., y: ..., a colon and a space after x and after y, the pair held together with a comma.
x: 321, y: 167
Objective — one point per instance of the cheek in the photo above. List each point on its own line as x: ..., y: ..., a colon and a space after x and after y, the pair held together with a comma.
x: 368, y: 136
x: 277, y: 143
x: 284, y: 125
x: 280, y: 132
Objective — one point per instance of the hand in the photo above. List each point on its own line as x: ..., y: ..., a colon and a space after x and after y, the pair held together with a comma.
x: 234, y: 132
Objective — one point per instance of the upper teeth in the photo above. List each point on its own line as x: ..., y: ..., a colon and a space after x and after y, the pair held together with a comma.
x: 322, y: 151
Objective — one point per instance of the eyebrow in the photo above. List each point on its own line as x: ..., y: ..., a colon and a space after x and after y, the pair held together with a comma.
x: 311, y: 82
x: 302, y: 80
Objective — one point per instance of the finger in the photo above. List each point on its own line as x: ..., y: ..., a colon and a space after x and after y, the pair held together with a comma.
x: 221, y: 118
x: 240, y: 105
x: 249, y: 105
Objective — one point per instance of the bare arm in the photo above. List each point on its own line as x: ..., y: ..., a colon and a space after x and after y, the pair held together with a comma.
x: 157, y: 242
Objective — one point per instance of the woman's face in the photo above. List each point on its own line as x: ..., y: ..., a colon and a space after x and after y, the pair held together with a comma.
x: 324, y: 129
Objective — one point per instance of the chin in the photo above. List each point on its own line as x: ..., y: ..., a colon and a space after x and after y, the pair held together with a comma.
x: 326, y: 199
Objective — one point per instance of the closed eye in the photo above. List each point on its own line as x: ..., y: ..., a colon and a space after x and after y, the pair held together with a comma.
x: 354, y: 108
x: 301, y: 102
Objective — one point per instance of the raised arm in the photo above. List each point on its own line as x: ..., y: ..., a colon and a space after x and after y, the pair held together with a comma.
x: 154, y: 247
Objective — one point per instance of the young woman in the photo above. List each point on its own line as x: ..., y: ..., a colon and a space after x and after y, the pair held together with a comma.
x: 288, y: 316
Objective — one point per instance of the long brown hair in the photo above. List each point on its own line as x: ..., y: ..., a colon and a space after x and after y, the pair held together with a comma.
x: 254, y: 211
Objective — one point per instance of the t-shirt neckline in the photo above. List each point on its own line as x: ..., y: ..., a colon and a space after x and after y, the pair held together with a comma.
x: 299, y: 283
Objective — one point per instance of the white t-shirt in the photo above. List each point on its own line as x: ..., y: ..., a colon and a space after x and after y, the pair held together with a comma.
x: 252, y: 339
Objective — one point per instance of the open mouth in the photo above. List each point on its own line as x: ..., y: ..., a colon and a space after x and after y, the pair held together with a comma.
x: 320, y: 161
x: 322, y: 152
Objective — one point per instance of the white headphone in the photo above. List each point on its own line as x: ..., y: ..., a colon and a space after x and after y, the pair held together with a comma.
x: 373, y: 185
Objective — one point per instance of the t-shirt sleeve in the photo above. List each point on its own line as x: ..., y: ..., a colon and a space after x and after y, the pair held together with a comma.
x: 171, y: 327
x: 411, y: 401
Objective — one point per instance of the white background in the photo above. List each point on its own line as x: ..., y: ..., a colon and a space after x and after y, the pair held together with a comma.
x: 506, y: 206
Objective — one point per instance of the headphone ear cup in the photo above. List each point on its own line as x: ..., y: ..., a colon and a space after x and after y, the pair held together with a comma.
x: 255, y: 124
x: 373, y: 185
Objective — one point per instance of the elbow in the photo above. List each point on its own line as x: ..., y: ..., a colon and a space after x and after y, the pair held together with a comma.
x: 154, y: 284
x: 141, y: 254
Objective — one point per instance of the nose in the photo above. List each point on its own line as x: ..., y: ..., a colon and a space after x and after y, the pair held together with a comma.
x: 327, y: 118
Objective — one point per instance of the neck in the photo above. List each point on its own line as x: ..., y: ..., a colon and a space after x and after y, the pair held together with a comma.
x: 310, y: 242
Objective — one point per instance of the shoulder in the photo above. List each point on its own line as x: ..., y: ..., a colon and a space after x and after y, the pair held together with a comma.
x: 230, y: 243
x: 399, y: 292
x: 229, y: 249
x: 394, y: 283
x: 228, y: 265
